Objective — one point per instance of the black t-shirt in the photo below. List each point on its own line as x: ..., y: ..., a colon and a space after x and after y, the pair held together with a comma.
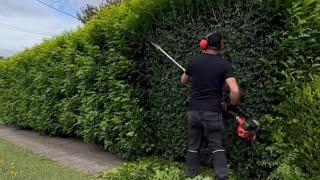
x: 208, y: 74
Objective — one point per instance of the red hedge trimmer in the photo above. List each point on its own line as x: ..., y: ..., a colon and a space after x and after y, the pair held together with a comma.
x: 246, y: 129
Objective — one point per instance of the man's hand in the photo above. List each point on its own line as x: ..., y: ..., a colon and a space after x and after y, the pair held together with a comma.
x: 185, y: 78
x: 234, y: 90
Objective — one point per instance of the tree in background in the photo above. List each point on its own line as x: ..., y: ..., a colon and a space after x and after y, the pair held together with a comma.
x: 89, y: 11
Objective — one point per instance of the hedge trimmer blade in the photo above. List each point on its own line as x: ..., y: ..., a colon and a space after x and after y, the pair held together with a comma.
x: 166, y: 54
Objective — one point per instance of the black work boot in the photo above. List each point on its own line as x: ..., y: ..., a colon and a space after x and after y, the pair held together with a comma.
x: 193, y: 164
x: 220, y: 165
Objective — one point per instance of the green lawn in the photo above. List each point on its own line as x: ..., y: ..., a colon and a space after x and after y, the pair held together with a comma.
x: 19, y: 164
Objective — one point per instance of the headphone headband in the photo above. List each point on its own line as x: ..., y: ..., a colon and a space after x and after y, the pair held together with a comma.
x: 208, y: 35
x: 212, y: 39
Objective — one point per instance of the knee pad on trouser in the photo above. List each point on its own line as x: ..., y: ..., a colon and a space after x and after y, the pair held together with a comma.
x: 220, y: 165
x: 193, y: 163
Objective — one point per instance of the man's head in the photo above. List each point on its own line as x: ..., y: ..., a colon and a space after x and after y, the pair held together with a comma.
x: 212, y: 41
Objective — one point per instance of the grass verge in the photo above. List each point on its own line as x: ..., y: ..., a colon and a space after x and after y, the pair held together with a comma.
x: 17, y: 164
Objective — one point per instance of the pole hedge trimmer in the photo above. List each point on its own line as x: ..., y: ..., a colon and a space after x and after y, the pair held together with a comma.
x: 246, y: 129
x: 166, y: 54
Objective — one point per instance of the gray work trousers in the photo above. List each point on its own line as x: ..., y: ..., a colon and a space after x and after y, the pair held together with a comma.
x: 211, y: 124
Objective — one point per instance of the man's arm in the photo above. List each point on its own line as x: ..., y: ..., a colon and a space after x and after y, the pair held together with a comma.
x: 234, y: 90
x: 185, y: 78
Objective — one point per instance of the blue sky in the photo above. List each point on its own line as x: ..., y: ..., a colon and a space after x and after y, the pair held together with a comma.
x: 30, y: 15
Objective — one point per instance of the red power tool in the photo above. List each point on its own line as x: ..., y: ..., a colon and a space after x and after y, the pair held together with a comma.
x: 246, y: 129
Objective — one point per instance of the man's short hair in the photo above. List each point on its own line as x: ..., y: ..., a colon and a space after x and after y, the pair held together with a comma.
x: 214, y: 41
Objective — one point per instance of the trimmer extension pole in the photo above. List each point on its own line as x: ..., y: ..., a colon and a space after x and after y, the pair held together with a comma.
x: 174, y: 61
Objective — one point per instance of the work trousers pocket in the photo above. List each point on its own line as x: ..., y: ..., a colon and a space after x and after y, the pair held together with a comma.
x: 212, y: 121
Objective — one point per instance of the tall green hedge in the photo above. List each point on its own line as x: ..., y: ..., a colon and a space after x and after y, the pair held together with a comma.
x: 104, y: 83
x: 178, y: 32
x: 79, y: 83
x: 295, y: 133
x: 268, y: 44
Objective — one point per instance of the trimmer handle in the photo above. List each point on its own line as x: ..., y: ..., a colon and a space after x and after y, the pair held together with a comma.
x: 233, y: 114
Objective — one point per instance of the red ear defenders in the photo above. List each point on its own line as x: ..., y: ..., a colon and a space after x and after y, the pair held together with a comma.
x: 203, y: 44
x: 212, y: 39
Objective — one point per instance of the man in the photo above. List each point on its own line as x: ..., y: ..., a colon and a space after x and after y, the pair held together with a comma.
x: 208, y: 73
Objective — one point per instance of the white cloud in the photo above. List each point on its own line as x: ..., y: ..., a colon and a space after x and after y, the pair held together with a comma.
x: 11, y: 8
x: 14, y: 38
x: 7, y: 52
x: 28, y: 15
x: 83, y: 3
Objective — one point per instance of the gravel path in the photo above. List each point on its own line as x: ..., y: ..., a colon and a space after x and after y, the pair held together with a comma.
x: 75, y: 154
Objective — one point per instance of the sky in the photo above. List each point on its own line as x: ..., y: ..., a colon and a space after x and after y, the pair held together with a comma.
x: 20, y: 17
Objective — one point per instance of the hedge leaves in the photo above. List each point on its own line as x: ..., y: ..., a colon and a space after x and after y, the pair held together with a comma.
x: 105, y: 84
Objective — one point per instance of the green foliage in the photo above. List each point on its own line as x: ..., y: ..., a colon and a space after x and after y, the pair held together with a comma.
x: 67, y: 86
x: 296, y: 64
x: 259, y: 44
x: 287, y: 170
x: 296, y: 52
x: 270, y: 55
x: 178, y: 31
x: 104, y: 83
x: 149, y: 169
x: 300, y: 116
x: 152, y: 169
